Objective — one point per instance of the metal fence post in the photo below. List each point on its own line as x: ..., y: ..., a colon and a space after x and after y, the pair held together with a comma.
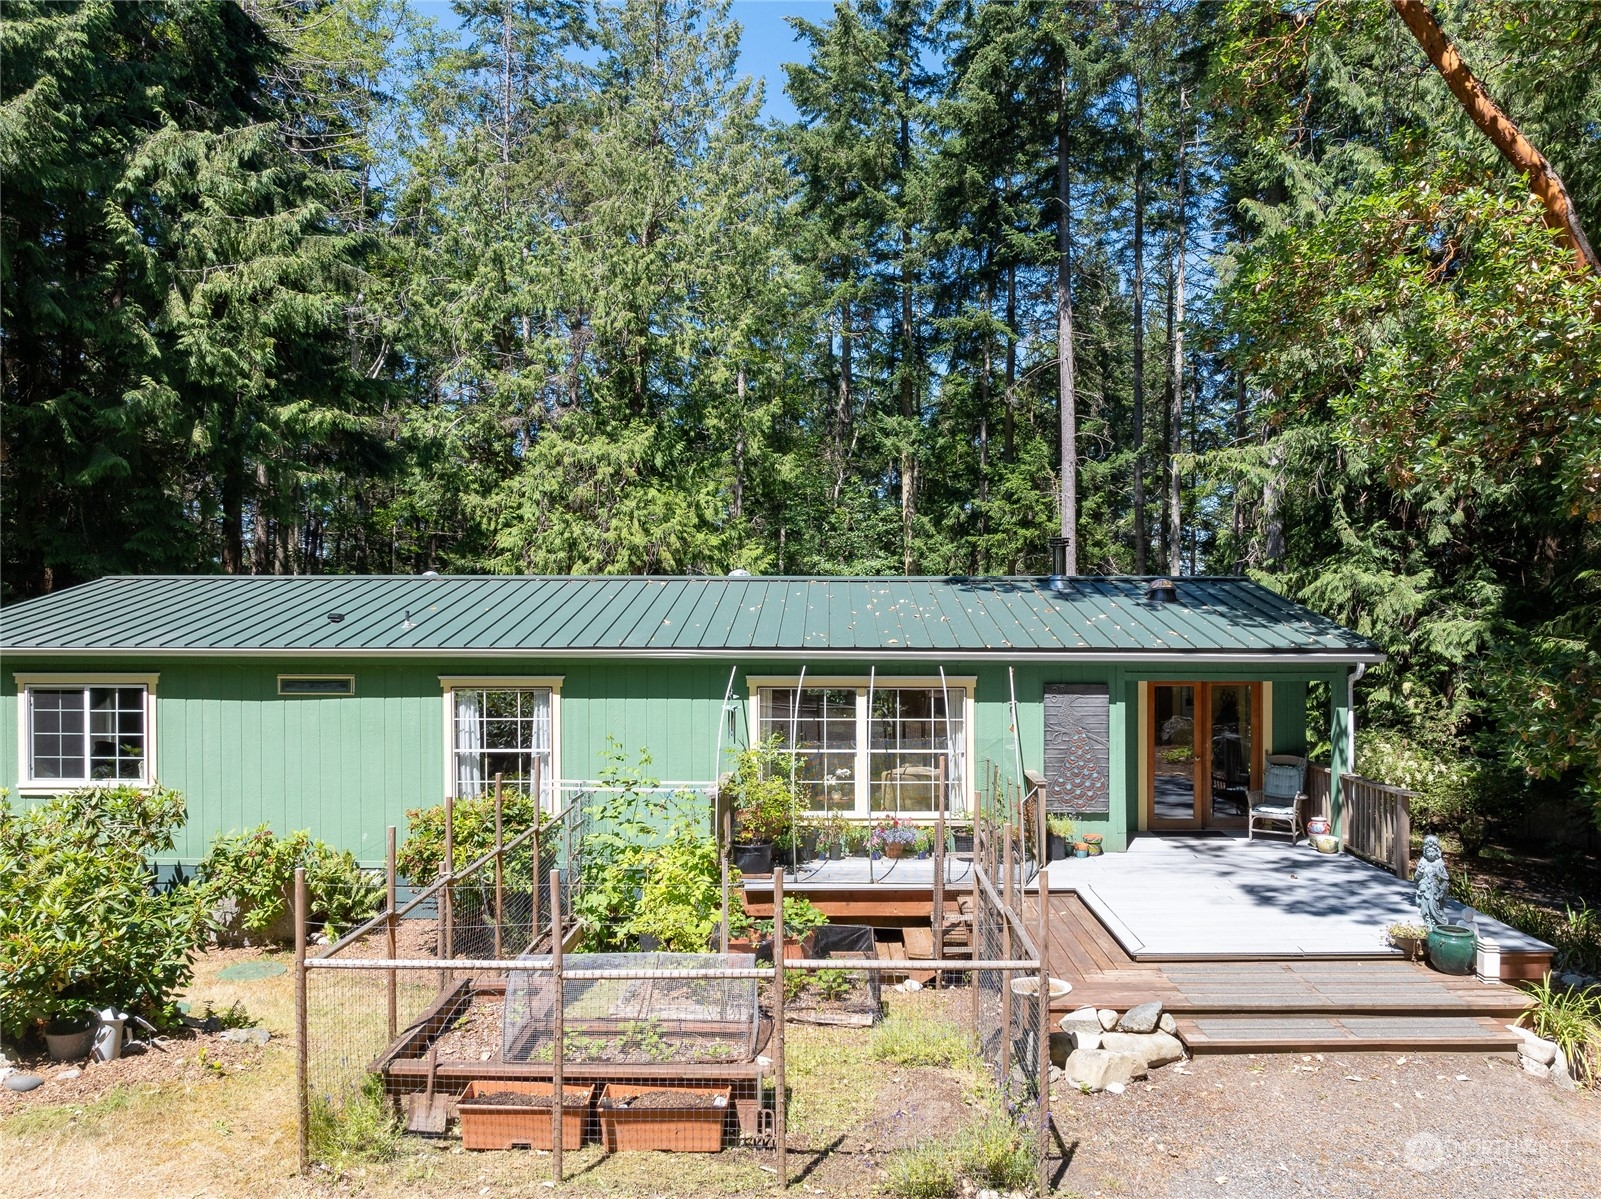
x: 302, y: 1103
x: 780, y: 1107
x: 939, y: 876
x: 558, y: 1005
x: 391, y: 891
x: 446, y: 907
x: 536, y: 877
x: 724, y: 839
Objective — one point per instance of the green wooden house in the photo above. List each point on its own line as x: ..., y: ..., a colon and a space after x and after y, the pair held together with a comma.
x: 336, y: 703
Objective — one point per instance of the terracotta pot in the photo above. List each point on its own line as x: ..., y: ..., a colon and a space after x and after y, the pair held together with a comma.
x: 894, y: 849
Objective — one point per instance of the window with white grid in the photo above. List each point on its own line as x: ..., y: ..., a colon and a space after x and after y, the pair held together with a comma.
x: 87, y: 734
x: 504, y: 731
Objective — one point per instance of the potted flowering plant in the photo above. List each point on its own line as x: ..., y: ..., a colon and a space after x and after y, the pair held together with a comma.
x: 762, y: 798
x: 892, y: 837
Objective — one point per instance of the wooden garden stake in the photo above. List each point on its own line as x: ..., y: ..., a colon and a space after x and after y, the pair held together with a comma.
x: 939, y: 877
x: 558, y: 1013
x: 780, y: 1108
x: 533, y: 886
x: 500, y: 893
x: 391, y: 891
x: 1005, y: 1064
x: 1044, y: 1033
x: 304, y: 1108
x: 976, y: 934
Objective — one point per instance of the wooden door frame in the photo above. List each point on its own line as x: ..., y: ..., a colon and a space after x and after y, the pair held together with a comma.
x: 1203, y: 751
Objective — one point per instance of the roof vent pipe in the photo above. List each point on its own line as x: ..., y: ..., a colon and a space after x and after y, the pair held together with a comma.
x: 1059, y: 580
x: 1161, y: 591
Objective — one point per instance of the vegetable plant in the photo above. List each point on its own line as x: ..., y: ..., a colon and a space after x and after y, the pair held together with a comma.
x: 762, y: 792
x: 801, y: 918
x: 422, y: 854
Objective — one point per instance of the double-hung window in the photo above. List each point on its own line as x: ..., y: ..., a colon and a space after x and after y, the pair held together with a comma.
x: 872, y: 749
x: 504, y: 727
x: 82, y: 731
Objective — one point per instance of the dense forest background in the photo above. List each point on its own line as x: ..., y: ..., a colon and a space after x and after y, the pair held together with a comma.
x: 320, y: 286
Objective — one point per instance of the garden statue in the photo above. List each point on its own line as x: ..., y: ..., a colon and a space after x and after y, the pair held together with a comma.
x: 1434, y: 884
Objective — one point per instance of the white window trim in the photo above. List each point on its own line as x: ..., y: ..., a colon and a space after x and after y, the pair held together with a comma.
x: 27, y: 784
x: 349, y: 678
x: 964, y: 685
x: 451, y: 683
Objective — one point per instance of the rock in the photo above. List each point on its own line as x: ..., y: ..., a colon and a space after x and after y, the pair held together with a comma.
x: 1167, y: 1024
x: 68, y: 1075
x: 1153, y: 1048
x: 1560, y: 1075
x: 1534, y: 1067
x: 1115, y: 1088
x: 1086, y: 1019
x: 1570, y: 979
x: 246, y: 1036
x: 1108, y: 1018
x: 1538, y: 1050
x: 1142, y: 1018
x: 989, y: 1195
x: 1055, y: 1074
x: 1088, y: 1040
x: 1093, y: 1069
x: 1061, y: 1045
x: 22, y: 1082
x: 912, y: 984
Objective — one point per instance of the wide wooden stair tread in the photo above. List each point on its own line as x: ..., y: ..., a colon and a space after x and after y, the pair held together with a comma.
x: 1279, y: 1033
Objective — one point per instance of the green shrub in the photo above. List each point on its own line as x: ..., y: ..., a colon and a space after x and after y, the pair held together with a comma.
x: 256, y: 870
x: 364, y: 1128
x: 422, y: 853
x: 992, y: 1154
x: 1575, y: 933
x: 926, y: 1172
x: 801, y: 918
x: 1570, y: 1016
x: 81, y: 925
x: 1456, y: 791
x: 911, y: 1041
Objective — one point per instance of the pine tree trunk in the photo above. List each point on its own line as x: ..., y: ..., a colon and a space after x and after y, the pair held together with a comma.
x: 842, y: 412
x: 1009, y: 429
x: 1175, y: 415
x: 737, y: 507
x: 1141, y: 533
x: 1066, y: 396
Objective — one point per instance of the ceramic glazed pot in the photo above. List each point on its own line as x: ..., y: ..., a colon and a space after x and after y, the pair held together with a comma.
x: 1318, y: 826
x: 1451, y: 949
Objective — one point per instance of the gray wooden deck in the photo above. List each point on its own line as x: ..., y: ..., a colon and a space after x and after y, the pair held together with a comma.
x: 1183, y: 898
x: 852, y: 874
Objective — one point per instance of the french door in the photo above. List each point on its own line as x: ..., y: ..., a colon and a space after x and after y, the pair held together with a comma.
x: 1201, y: 754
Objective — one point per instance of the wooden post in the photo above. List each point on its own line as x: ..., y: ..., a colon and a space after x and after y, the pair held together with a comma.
x: 558, y: 1003
x: 500, y: 892
x: 391, y: 890
x: 724, y: 837
x: 1005, y: 1063
x: 939, y: 876
x: 1044, y: 1032
x: 780, y: 1108
x: 534, y: 876
x: 976, y: 935
x: 446, y: 907
x: 302, y: 1105
x: 1403, y: 836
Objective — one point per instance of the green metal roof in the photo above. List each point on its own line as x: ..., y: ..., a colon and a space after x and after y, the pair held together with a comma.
x: 802, y: 618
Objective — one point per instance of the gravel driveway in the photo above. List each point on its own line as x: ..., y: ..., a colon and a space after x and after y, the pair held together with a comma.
x: 1358, y: 1124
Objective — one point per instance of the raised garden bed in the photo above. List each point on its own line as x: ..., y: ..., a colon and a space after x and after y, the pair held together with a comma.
x: 671, y: 1119
x: 498, y: 1114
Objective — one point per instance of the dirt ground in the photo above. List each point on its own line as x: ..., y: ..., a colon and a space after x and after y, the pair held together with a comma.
x: 1262, y: 1126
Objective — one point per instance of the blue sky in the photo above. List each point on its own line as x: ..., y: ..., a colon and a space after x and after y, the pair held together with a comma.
x: 766, y: 41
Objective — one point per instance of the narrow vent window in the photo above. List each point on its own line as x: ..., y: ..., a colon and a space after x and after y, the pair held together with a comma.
x: 316, y: 684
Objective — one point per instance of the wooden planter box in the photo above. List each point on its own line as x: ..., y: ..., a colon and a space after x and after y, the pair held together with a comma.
x: 504, y: 1126
x: 675, y: 1130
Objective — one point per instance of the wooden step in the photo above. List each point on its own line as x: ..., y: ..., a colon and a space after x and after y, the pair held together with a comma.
x: 1351, y: 1034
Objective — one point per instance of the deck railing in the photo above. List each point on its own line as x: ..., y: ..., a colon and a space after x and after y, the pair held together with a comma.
x: 1378, y: 817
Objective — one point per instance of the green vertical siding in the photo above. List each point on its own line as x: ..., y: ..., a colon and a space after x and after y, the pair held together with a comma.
x: 345, y: 767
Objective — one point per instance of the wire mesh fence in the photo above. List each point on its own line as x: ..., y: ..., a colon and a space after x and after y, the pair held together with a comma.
x: 464, y: 1013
